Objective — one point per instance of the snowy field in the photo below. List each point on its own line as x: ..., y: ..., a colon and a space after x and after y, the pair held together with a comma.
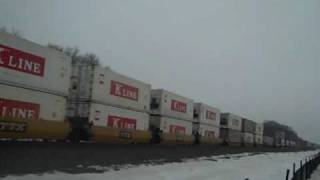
x: 316, y: 174
x: 269, y: 166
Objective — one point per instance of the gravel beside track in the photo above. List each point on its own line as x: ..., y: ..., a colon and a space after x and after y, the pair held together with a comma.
x: 18, y: 158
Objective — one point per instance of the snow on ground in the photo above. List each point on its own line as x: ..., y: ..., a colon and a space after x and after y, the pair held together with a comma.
x: 233, y: 167
x: 316, y: 174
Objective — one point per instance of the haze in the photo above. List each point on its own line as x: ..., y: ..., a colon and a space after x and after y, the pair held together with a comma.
x: 255, y: 58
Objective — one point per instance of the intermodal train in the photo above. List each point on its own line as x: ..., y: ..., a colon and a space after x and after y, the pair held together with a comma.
x: 45, y: 95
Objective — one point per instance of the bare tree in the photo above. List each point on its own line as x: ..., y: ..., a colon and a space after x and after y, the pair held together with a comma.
x: 271, y: 127
x: 3, y: 29
x: 92, y: 58
x: 16, y: 33
x: 13, y: 31
x: 56, y: 47
x: 74, y: 54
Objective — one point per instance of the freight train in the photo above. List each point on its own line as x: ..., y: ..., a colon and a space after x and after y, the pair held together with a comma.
x: 45, y: 95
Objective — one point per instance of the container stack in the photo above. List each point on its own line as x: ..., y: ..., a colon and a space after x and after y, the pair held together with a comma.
x: 279, y: 139
x: 107, y: 99
x: 292, y: 143
x: 248, y: 131
x: 259, y: 134
x: 287, y: 143
x: 172, y: 114
x: 206, y: 122
x: 34, y: 82
x: 268, y: 141
x: 230, y: 128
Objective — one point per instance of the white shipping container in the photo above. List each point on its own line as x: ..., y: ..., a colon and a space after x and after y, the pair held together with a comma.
x: 292, y: 143
x: 104, y: 86
x: 171, y: 105
x: 259, y: 128
x: 171, y: 125
x: 258, y: 139
x: 230, y: 135
x: 287, y: 143
x: 231, y: 121
x: 248, y: 138
x: 28, y: 104
x: 29, y: 65
x: 206, y: 114
x: 268, y: 141
x: 108, y: 116
x: 207, y: 131
x: 280, y: 135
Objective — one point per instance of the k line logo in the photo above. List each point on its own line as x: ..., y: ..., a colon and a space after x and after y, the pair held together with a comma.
x: 178, y: 106
x: 211, y: 115
x: 124, y: 90
x: 121, y: 122
x: 19, y: 109
x: 177, y: 129
x: 21, y: 61
x: 209, y: 134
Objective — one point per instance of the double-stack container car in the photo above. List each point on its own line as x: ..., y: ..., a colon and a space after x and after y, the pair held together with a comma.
x: 46, y: 95
x: 268, y: 141
x: 206, y: 123
x: 279, y: 139
x: 259, y: 134
x: 230, y: 129
x: 34, y: 83
x: 115, y: 105
x: 171, y: 114
x: 248, y: 131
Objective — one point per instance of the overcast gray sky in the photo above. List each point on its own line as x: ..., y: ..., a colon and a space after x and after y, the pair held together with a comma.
x: 255, y: 58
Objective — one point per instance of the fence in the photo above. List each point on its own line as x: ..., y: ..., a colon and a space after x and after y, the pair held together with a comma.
x: 306, y: 168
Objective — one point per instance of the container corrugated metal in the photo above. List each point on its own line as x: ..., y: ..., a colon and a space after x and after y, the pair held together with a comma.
x: 268, y: 141
x: 171, y: 125
x: 26, y: 64
x: 280, y: 135
x: 277, y: 142
x: 287, y: 143
x: 231, y: 121
x: 109, y: 116
x: 28, y: 104
x: 207, y: 131
x: 230, y: 135
x: 171, y: 105
x: 259, y: 129
x: 279, y: 138
x: 258, y: 139
x: 104, y: 86
x: 248, y: 126
x: 248, y: 138
x: 292, y: 143
x: 206, y: 114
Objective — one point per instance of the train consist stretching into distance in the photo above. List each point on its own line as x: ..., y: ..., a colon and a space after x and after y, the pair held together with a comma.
x: 45, y: 95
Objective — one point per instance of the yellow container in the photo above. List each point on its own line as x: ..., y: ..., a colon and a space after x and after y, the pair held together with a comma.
x: 170, y: 138
x: 33, y: 129
x: 204, y: 140
x: 112, y: 135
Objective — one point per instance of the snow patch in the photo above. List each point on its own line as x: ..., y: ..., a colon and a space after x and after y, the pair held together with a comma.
x: 227, y: 167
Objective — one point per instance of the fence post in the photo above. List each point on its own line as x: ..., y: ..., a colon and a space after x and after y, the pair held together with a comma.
x: 293, y: 171
x: 307, y: 169
x: 287, y: 176
x: 301, y: 171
